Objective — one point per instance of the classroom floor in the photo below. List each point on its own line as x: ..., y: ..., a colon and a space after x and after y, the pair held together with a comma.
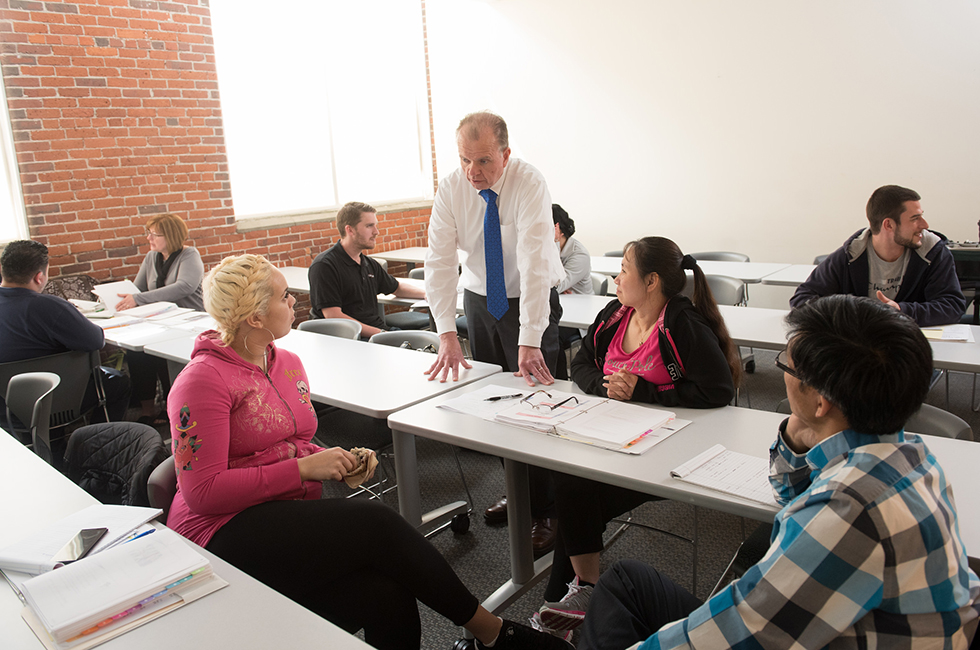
x: 481, y: 558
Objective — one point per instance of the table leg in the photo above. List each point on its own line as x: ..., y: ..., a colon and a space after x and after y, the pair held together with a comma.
x: 173, y: 369
x: 407, y: 475
x: 525, y: 572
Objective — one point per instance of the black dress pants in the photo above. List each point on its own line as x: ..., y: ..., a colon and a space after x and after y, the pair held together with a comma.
x: 495, y: 341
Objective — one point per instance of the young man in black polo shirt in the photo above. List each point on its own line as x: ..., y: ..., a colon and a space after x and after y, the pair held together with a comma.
x: 345, y: 283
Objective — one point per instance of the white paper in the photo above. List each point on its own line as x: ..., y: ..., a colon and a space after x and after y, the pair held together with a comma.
x: 136, y: 333
x: 33, y: 554
x: 86, y: 592
x: 730, y: 472
x: 153, y: 310
x: 108, y: 292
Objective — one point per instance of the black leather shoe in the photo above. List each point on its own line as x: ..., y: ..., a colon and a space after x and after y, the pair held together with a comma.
x: 543, y: 535
x: 497, y: 513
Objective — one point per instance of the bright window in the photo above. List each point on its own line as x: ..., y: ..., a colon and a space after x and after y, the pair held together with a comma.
x: 13, y: 224
x: 323, y: 102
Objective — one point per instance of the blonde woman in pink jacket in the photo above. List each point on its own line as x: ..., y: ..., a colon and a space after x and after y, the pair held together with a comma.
x: 249, y: 482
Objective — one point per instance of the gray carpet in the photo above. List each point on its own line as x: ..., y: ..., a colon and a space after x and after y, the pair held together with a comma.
x: 481, y: 558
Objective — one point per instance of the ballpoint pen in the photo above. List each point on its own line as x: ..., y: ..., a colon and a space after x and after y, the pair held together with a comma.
x: 497, y: 398
x: 143, y: 534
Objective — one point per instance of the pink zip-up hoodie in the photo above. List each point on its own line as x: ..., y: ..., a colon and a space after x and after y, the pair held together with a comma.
x: 237, y: 433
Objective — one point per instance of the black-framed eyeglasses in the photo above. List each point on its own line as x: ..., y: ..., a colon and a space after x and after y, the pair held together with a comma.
x: 548, y: 407
x: 782, y: 365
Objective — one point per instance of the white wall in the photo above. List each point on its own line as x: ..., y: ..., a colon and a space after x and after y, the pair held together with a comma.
x: 759, y: 126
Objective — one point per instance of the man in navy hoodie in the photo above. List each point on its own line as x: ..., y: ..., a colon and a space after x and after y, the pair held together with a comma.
x: 896, y: 260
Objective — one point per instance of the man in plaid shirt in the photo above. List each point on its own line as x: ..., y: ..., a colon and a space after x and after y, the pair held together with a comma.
x: 865, y: 552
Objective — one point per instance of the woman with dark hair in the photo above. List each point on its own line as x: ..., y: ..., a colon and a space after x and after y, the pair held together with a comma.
x: 649, y: 345
x: 172, y: 271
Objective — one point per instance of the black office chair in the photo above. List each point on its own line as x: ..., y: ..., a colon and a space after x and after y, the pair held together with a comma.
x: 112, y: 461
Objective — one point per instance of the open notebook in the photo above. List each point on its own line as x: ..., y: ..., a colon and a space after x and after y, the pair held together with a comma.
x: 606, y: 423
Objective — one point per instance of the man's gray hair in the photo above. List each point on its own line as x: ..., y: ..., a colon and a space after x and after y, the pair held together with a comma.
x: 473, y: 124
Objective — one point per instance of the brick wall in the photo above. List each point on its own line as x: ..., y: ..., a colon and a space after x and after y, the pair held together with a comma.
x: 116, y: 116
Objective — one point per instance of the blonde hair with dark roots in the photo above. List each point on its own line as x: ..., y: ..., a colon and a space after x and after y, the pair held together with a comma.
x: 235, y: 289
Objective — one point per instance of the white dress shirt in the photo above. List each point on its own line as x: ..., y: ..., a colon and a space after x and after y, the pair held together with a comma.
x: 527, y: 232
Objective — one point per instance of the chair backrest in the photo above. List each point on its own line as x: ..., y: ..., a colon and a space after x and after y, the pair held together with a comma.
x: 726, y: 290
x: 344, y: 328
x: 71, y: 286
x: 112, y: 461
x: 937, y: 422
x: 75, y: 369
x: 618, y: 253
x: 418, y: 273
x: 29, y: 398
x: 418, y: 339
x: 929, y: 420
x: 600, y: 283
x: 820, y: 258
x: 720, y: 256
x: 383, y: 263
x: 161, y: 487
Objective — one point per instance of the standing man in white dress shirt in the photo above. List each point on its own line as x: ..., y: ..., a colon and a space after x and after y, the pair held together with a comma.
x: 498, y: 210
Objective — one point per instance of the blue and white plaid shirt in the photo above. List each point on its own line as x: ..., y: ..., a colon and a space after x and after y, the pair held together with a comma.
x: 866, y: 553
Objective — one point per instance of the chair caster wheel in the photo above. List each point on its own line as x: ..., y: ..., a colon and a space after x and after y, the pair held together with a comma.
x: 465, y: 644
x: 750, y: 367
x: 460, y: 524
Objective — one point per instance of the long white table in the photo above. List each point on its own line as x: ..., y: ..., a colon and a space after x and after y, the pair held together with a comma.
x: 792, y: 276
x: 374, y: 380
x: 748, y: 272
x: 743, y: 430
x: 766, y: 328
x: 246, y: 614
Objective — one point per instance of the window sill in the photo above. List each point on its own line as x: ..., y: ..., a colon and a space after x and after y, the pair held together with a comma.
x: 271, y: 220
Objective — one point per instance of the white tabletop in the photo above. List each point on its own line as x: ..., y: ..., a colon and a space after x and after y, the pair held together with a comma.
x: 155, y: 333
x: 246, y: 614
x: 766, y: 329
x: 748, y: 272
x: 371, y: 379
x: 412, y: 255
x: 579, y: 309
x: 744, y: 430
x: 792, y: 276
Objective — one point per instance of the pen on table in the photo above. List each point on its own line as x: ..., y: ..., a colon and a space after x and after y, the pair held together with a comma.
x: 143, y: 534
x: 497, y: 398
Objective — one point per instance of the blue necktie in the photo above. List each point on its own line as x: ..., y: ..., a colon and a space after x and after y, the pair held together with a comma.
x: 496, y: 287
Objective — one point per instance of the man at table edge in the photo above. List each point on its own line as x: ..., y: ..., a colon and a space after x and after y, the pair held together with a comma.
x: 896, y: 259
x: 34, y: 324
x: 345, y: 283
x: 866, y: 551
x: 517, y: 325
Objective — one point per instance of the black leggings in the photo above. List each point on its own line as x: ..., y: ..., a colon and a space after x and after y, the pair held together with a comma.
x: 357, y: 563
x: 144, y: 371
x: 584, y: 508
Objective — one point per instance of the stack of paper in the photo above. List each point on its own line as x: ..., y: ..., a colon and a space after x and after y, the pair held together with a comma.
x: 606, y: 423
x: 108, y: 293
x: 33, y: 555
x: 949, y: 333
x: 730, y: 472
x: 112, y: 592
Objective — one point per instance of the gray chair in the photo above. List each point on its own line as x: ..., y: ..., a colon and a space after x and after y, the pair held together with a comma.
x: 344, y: 328
x: 820, y: 258
x: 726, y: 290
x: 161, y: 487
x: 416, y: 340
x: 600, y: 284
x: 418, y: 273
x: 618, y: 253
x: 720, y: 256
x: 75, y: 369
x: 29, y: 396
x: 930, y: 420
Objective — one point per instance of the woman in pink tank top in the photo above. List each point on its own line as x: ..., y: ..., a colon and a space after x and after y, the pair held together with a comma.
x: 650, y: 345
